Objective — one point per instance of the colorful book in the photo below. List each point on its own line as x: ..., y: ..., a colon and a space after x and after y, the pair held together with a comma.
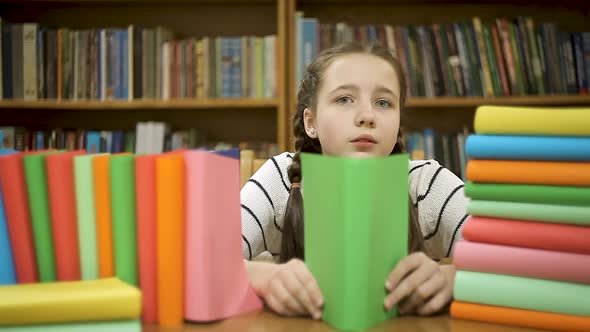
x: 69, y: 301
x: 147, y: 236
x: 522, y: 293
x: 110, y: 326
x: 18, y: 218
x: 36, y: 178
x: 217, y: 284
x: 561, y: 214
x: 7, y: 273
x: 529, y: 172
x: 122, y: 181
x: 519, y: 317
x: 86, y: 212
x: 503, y: 120
x: 528, y: 234
x: 524, y: 193
x: 102, y: 204
x: 348, y: 221
x: 528, y: 148
x: 62, y: 200
x: 524, y: 262
x: 170, y: 205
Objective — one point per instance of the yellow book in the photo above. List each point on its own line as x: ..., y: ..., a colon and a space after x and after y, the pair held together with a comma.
x: 557, y: 121
x: 69, y: 301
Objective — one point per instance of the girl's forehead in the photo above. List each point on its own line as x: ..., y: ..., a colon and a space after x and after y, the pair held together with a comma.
x: 361, y: 70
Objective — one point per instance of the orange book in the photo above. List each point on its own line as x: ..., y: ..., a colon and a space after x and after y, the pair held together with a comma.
x: 170, y: 204
x: 519, y: 317
x: 145, y: 191
x: 529, y: 172
x: 64, y: 223
x: 18, y: 218
x: 102, y: 201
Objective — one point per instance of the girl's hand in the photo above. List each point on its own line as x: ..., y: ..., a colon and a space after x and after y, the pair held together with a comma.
x: 419, y: 285
x: 293, y: 291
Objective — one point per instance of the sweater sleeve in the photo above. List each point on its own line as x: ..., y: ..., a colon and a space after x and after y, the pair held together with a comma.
x: 439, y: 197
x: 263, y: 199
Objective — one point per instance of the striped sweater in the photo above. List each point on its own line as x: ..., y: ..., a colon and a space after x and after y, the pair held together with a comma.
x: 435, y: 191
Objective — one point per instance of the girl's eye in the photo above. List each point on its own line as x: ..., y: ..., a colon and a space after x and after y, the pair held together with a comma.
x: 383, y: 103
x: 344, y: 100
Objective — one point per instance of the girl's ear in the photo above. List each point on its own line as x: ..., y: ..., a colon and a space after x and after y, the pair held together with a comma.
x: 309, y: 122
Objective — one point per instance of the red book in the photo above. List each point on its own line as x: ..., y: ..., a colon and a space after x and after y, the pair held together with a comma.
x: 145, y: 191
x: 16, y: 205
x: 62, y: 203
x: 528, y: 234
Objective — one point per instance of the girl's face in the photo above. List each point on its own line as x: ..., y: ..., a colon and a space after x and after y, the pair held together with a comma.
x: 358, y: 108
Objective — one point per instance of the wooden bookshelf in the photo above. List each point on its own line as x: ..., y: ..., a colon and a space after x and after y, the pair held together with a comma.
x: 472, y: 102
x: 185, y: 104
x: 229, y: 120
x: 441, y: 113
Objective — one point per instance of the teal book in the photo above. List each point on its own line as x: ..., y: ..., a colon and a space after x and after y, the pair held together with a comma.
x: 523, y: 293
x: 37, y: 190
x: 86, y: 213
x: 356, y: 230
x: 122, y: 177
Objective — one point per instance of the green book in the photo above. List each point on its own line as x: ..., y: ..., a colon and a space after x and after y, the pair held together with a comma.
x: 122, y: 177
x: 522, y: 293
x: 525, y: 193
x: 99, y: 326
x: 561, y: 214
x: 356, y: 231
x: 36, y: 179
x: 84, y: 187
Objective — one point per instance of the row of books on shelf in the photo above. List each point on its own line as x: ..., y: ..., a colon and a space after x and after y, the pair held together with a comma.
x: 132, y: 63
x: 446, y: 148
x: 149, y: 137
x: 466, y: 58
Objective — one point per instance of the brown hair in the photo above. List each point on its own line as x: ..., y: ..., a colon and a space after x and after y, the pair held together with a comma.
x: 292, y: 237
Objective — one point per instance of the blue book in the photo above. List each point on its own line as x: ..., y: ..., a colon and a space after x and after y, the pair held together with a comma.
x: 231, y: 153
x: 580, y: 62
x: 7, y: 272
x: 539, y: 148
x: 124, y: 65
x: 309, y: 27
x: 92, y: 142
x: 226, y: 64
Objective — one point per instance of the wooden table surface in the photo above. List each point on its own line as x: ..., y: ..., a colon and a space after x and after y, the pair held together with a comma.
x: 264, y: 321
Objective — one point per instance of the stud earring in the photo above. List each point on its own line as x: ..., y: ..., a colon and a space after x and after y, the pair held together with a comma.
x: 311, y: 132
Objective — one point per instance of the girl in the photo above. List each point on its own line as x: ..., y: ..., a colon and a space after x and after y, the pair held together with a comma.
x: 349, y: 104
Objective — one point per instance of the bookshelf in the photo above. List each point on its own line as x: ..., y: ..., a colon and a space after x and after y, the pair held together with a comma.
x: 441, y: 113
x: 225, y: 119
x: 239, y: 119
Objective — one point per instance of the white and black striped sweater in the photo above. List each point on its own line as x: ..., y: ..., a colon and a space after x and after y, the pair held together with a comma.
x: 436, y: 191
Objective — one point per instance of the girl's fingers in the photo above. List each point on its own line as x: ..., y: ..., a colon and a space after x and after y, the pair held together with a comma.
x: 280, y: 292
x: 276, y: 305
x: 307, y: 290
x: 422, y: 294
x: 436, y: 303
x: 419, y: 272
x: 298, y: 290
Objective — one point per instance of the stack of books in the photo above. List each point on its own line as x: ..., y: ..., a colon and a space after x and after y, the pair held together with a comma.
x: 525, y: 260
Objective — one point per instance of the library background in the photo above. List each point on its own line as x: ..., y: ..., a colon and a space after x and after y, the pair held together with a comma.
x: 154, y: 75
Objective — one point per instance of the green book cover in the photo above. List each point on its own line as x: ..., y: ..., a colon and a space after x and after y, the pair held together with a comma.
x: 84, y: 188
x: 36, y: 180
x: 98, y: 326
x: 517, y: 61
x: 560, y: 214
x: 356, y: 230
x: 493, y: 62
x: 122, y: 177
x: 527, y: 193
x: 522, y: 293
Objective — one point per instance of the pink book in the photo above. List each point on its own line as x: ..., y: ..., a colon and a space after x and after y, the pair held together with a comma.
x: 216, y: 283
x: 532, y: 263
